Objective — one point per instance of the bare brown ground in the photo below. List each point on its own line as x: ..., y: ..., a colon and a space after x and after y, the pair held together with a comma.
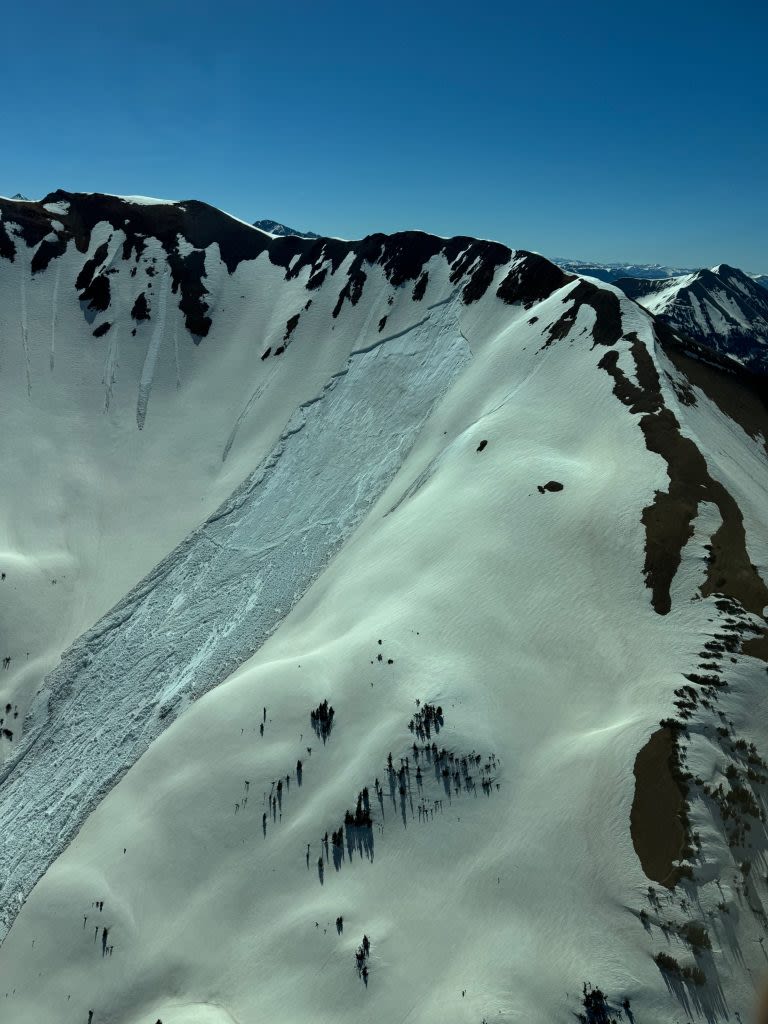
x: 658, y: 817
x: 669, y: 519
x: 658, y: 820
x: 757, y: 646
x: 761, y: 1012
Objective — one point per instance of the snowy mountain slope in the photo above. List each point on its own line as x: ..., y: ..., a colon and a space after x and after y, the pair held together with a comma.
x: 214, y: 602
x: 118, y: 442
x: 275, y: 228
x: 723, y: 309
x: 399, y: 537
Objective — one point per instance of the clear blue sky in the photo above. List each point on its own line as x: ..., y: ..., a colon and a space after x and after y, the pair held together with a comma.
x: 599, y: 130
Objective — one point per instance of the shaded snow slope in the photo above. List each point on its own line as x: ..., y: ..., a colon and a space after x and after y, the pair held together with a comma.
x: 467, y: 481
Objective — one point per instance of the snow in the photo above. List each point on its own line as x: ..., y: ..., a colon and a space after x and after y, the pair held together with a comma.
x: 149, y: 201
x: 212, y: 602
x: 81, y: 483
x: 60, y: 207
x: 735, y: 311
x: 715, y: 317
x: 344, y: 502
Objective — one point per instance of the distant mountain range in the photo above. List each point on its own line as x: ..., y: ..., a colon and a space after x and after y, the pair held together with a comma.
x: 612, y: 272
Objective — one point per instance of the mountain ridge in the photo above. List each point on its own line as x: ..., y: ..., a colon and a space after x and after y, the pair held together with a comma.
x: 402, y: 254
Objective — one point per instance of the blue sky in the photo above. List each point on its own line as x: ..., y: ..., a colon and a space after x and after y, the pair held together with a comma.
x: 594, y: 130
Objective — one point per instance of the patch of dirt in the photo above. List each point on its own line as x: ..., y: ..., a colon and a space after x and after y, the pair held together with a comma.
x: 532, y: 279
x: 420, y: 287
x: 669, y: 519
x: 140, y: 309
x: 757, y: 646
x: 291, y: 325
x: 658, y: 819
x: 607, y: 306
x: 97, y: 294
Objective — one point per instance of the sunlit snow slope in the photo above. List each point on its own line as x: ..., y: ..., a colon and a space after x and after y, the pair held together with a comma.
x: 400, y: 475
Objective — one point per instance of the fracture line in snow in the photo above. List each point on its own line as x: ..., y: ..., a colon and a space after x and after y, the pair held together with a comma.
x: 153, y: 350
x: 53, y: 313
x: 110, y: 368
x: 176, y: 351
x: 24, y: 335
x: 243, y: 415
x: 212, y: 602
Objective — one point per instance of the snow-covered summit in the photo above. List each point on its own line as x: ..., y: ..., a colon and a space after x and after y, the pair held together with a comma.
x: 614, y: 271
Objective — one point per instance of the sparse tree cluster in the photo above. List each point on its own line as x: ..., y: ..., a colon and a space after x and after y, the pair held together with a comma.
x: 362, y: 816
x: 361, y: 958
x: 453, y: 772
x: 668, y: 965
x: 597, y: 1009
x: 322, y: 720
x: 427, y: 718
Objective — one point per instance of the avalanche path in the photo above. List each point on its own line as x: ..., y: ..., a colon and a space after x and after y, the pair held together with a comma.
x: 215, y: 599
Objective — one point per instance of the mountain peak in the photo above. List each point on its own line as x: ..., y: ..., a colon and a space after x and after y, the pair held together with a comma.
x: 721, y: 309
x: 274, y: 227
